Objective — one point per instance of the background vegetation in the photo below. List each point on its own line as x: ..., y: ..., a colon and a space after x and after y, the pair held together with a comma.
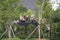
x: 11, y: 10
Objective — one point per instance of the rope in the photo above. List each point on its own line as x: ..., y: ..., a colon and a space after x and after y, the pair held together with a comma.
x: 42, y: 33
x: 31, y: 33
x: 13, y: 32
x: 3, y: 34
x: 6, y: 31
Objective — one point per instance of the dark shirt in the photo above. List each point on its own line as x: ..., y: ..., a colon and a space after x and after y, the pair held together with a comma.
x: 23, y: 23
x: 34, y: 22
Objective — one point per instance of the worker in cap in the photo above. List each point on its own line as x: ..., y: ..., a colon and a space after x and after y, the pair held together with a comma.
x: 33, y: 21
x: 32, y: 17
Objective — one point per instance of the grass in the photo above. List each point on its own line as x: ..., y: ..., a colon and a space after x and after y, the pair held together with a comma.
x: 11, y: 39
x: 20, y: 39
x: 16, y: 39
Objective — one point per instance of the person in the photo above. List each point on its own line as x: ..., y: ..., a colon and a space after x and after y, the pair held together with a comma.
x: 14, y: 23
x: 21, y: 21
x: 26, y: 17
x: 47, y: 29
x: 33, y: 21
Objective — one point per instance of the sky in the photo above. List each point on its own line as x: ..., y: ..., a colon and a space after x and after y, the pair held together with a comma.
x: 56, y: 1
x: 30, y: 4
x: 54, y: 4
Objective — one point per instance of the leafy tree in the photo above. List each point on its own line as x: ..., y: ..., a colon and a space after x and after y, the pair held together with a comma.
x: 56, y: 16
x: 45, y: 8
x: 55, y: 25
x: 46, y: 12
x: 10, y: 10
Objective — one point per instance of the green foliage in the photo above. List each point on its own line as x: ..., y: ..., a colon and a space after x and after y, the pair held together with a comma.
x: 56, y: 16
x: 21, y: 31
x: 6, y: 11
x: 11, y: 10
x: 11, y: 39
x: 55, y: 25
x: 23, y: 9
x: 55, y: 31
x: 45, y: 8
